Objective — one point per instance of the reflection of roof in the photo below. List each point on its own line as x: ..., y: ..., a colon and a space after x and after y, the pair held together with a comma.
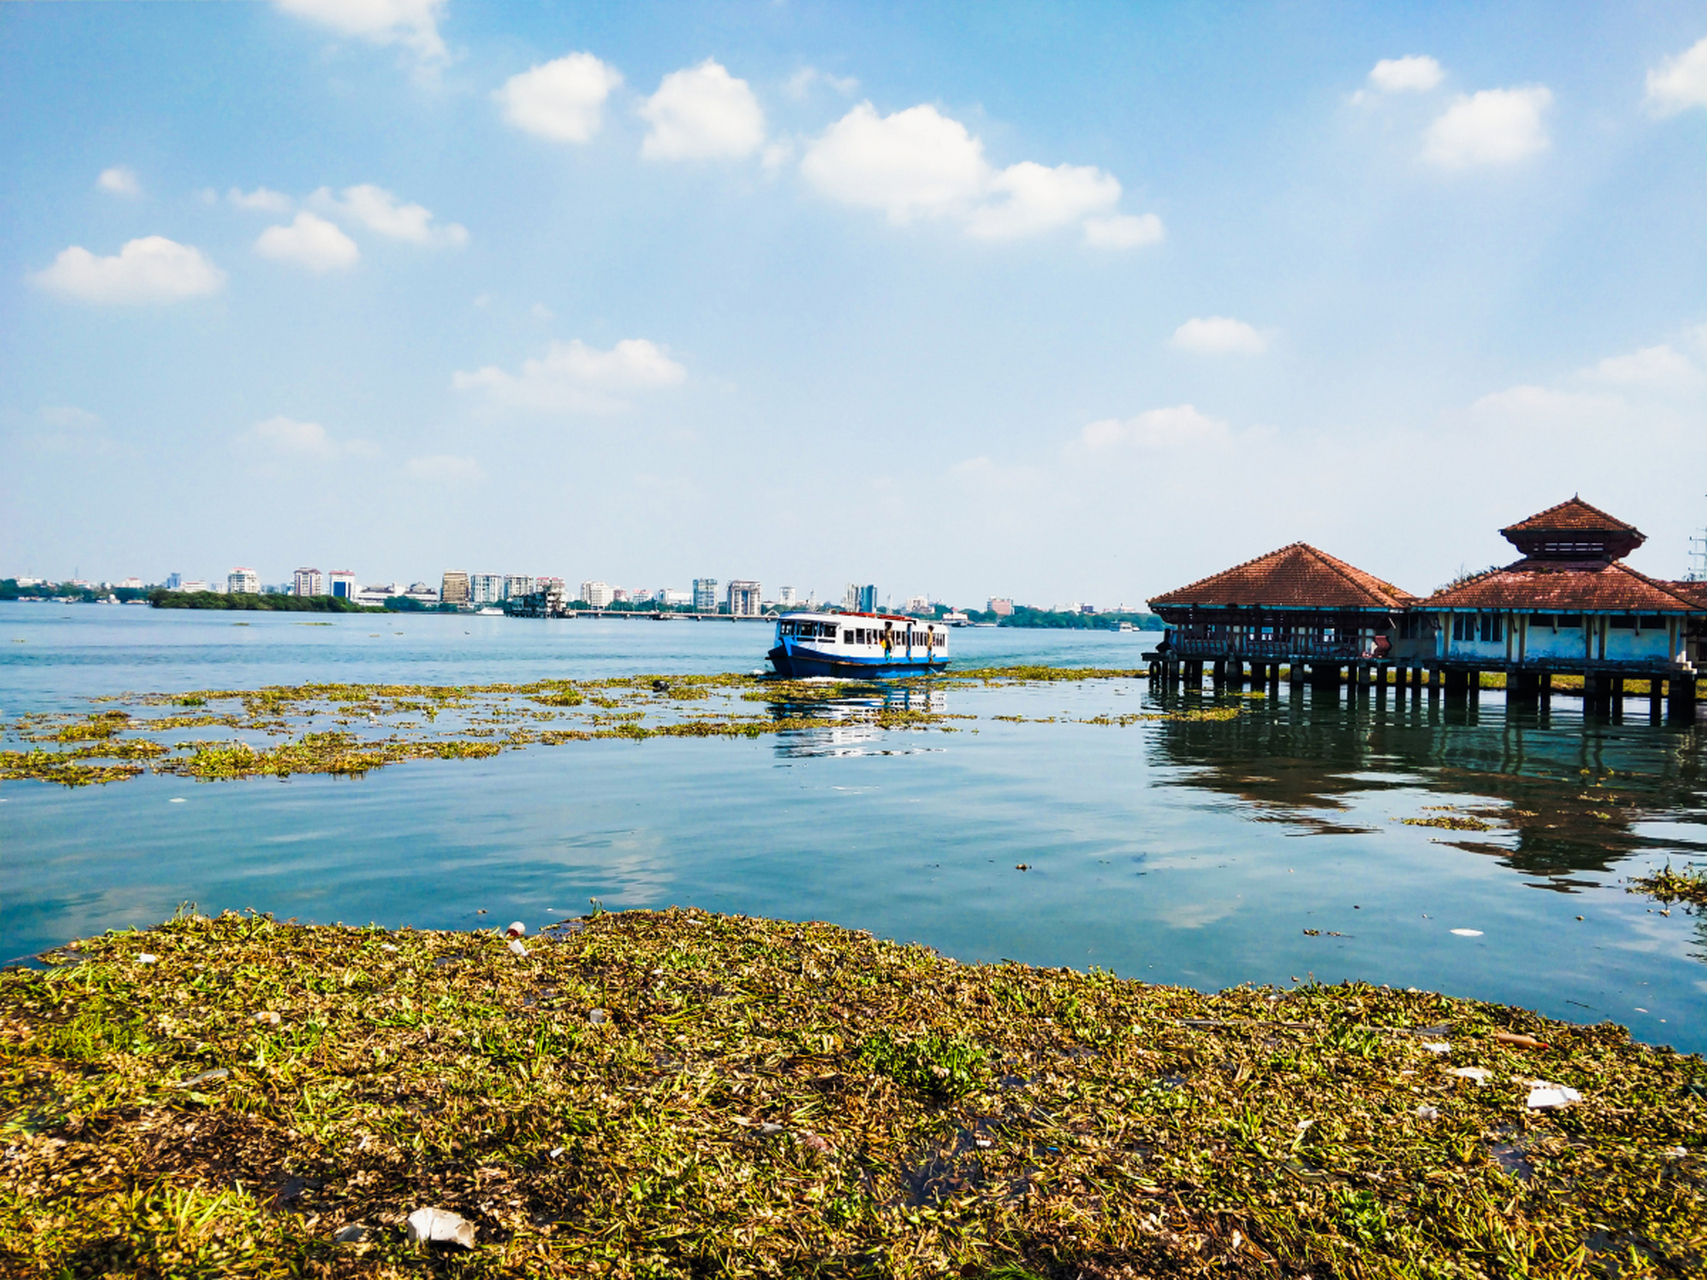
x: 1566, y: 585
x: 1573, y: 516
x: 1295, y: 577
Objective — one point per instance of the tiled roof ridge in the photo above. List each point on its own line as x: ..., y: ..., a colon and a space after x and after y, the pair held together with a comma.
x: 1657, y: 584
x: 1243, y: 564
x: 1385, y: 593
x: 1538, y: 520
x: 1361, y: 579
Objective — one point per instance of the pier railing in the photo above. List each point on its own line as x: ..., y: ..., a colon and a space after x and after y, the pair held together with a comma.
x: 1301, y: 648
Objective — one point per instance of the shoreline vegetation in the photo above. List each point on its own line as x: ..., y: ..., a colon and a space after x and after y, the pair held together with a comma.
x: 678, y: 1093
x: 268, y: 602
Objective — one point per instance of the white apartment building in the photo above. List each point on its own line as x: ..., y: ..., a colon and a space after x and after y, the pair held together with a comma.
x: 670, y: 597
x: 517, y: 585
x: 309, y: 582
x: 425, y: 592
x: 743, y: 598
x: 192, y: 584
x: 243, y: 582
x: 705, y: 595
x: 597, y: 594
x: 485, y: 588
x: 917, y: 604
x: 786, y: 597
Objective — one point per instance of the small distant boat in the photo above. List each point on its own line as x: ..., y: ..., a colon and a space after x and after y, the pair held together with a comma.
x: 491, y: 611
x: 1126, y: 626
x: 857, y: 646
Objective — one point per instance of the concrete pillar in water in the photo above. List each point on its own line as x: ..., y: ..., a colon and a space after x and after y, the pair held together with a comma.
x: 1295, y: 672
x: 1656, y: 696
x: 1193, y: 672
x: 1681, y: 695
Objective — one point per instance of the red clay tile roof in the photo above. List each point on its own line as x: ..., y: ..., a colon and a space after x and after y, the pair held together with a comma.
x: 1567, y: 587
x: 1696, y: 591
x: 1573, y: 515
x: 1295, y: 577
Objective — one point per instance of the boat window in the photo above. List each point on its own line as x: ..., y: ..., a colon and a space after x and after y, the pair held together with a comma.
x: 847, y: 637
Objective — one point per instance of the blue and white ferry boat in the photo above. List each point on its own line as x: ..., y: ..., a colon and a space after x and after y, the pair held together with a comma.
x: 857, y: 646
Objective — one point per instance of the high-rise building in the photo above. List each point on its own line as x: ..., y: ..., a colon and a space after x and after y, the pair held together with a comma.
x: 1001, y: 606
x: 597, y: 594
x: 342, y: 583
x: 705, y: 595
x: 453, y: 587
x: 243, y: 582
x: 485, y: 588
x: 785, y: 596
x: 867, y: 601
x: 174, y: 582
x: 743, y: 598
x: 517, y: 585
x: 309, y: 582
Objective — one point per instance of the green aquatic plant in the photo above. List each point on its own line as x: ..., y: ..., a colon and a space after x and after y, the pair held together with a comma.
x: 678, y: 1093
x: 1666, y: 885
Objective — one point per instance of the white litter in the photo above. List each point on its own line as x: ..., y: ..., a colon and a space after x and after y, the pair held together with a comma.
x: 1481, y: 1075
x: 441, y: 1225
x: 1543, y: 1094
x: 176, y: 800
x: 145, y: 958
x: 517, y: 929
x: 1468, y: 933
x: 1437, y: 1046
x: 386, y: 946
x: 1426, y: 1112
x: 517, y: 947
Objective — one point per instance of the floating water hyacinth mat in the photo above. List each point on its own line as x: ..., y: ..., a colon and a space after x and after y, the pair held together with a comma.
x: 676, y: 1093
x: 352, y: 729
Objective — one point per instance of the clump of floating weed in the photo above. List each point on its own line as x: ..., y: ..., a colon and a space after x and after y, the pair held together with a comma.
x: 1666, y: 885
x: 676, y: 1093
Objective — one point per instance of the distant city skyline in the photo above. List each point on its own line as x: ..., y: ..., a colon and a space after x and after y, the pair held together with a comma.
x: 1083, y: 301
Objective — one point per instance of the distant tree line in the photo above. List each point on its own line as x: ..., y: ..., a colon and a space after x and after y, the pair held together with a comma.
x: 1026, y: 616
x: 10, y: 590
x: 274, y: 602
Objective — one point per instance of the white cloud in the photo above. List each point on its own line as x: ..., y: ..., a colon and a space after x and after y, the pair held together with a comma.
x: 575, y: 377
x: 288, y: 438
x: 1123, y: 231
x: 444, y: 468
x: 1219, y: 335
x: 562, y: 99
x: 1035, y: 198
x: 1415, y: 73
x: 1495, y: 126
x: 260, y: 200
x: 69, y: 416
x: 539, y: 311
x: 1651, y: 366
x: 309, y: 242
x: 1179, y: 427
x: 702, y: 113
x: 411, y: 23
x: 378, y: 210
x: 120, y: 180
x: 1679, y: 83
x: 1532, y: 405
x: 914, y: 163
x: 152, y: 269
x: 800, y: 84
x: 919, y: 163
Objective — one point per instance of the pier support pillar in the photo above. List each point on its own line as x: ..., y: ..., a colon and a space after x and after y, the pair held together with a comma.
x: 1295, y: 673
x: 1656, y: 696
x: 1681, y: 695
x: 1193, y: 672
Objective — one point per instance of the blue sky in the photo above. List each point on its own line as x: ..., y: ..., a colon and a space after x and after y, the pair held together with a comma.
x: 1053, y: 301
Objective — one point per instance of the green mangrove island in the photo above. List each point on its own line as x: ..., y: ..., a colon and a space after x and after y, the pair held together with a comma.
x: 677, y: 1093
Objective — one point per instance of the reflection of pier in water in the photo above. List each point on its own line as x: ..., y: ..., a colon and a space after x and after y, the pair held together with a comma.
x: 846, y: 725
x: 1562, y: 792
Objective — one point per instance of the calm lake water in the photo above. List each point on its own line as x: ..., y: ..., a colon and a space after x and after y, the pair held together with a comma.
x: 1193, y: 852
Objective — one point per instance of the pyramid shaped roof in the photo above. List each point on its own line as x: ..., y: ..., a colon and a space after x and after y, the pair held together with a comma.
x: 1571, y: 516
x: 1297, y: 576
x: 1539, y: 584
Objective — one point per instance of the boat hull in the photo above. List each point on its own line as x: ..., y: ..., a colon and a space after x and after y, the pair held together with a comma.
x: 800, y: 664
